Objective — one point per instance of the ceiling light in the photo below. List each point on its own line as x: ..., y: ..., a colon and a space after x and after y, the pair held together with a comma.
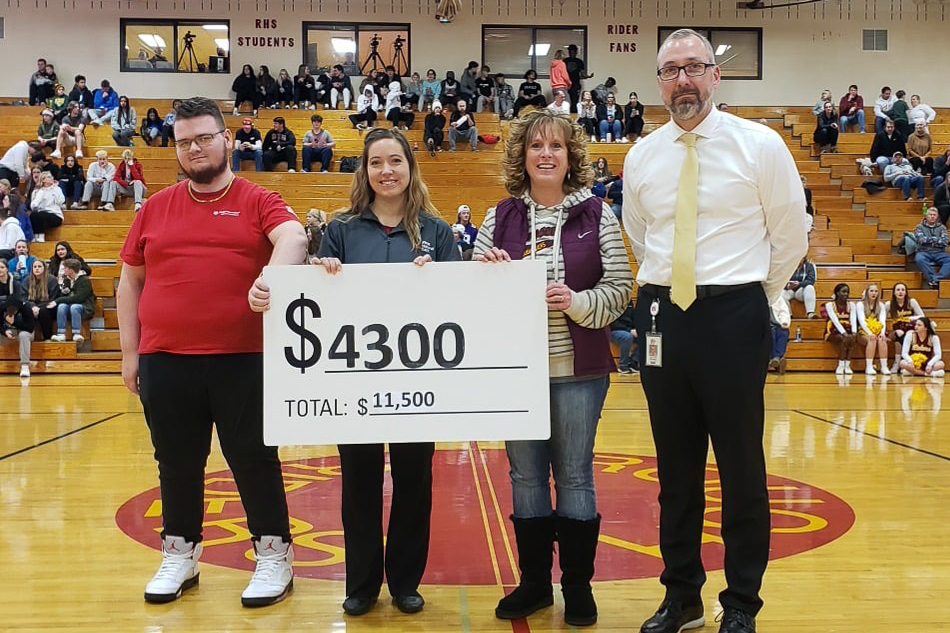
x: 722, y: 49
x: 539, y: 49
x: 343, y: 45
x: 222, y: 43
x: 215, y: 27
x: 152, y: 40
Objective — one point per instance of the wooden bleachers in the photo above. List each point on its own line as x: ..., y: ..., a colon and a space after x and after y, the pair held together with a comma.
x: 853, y: 241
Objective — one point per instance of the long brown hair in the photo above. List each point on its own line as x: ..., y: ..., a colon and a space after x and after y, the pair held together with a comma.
x: 893, y: 308
x: 38, y: 287
x: 524, y: 129
x: 415, y: 198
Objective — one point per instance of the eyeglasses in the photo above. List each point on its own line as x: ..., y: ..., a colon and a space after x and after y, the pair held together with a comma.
x: 695, y: 69
x: 203, y: 140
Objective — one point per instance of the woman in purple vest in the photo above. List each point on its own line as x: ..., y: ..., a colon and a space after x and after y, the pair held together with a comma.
x: 552, y: 215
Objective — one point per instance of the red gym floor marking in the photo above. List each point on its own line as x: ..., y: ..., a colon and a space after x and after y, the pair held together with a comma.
x: 472, y: 539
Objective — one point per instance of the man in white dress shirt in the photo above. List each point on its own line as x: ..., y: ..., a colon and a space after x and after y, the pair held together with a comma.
x: 705, y: 373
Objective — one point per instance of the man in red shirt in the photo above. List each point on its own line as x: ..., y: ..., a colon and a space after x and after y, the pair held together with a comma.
x: 192, y: 348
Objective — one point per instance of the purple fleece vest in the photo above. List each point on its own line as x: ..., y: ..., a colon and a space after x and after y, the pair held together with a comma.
x: 580, y: 245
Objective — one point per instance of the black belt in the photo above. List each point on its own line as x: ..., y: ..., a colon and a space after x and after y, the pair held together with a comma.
x: 702, y: 292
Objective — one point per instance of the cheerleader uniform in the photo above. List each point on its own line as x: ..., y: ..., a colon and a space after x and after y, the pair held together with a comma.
x: 929, y: 348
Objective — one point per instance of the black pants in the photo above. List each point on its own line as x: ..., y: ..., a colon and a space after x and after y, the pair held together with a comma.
x: 41, y: 221
x: 39, y: 94
x: 925, y: 165
x: 183, y: 396
x: 397, y: 117
x: 633, y: 126
x: 12, y: 176
x: 825, y: 136
x: 255, y: 98
x: 574, y: 95
x: 437, y: 135
x: 46, y: 318
x: 407, y: 539
x: 537, y: 100
x: 272, y: 156
x: 168, y: 132
x: 367, y: 116
x: 715, y: 359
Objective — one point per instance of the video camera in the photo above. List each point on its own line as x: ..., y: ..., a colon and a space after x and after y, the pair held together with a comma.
x: 375, y: 41
x: 188, y: 38
x: 398, y: 42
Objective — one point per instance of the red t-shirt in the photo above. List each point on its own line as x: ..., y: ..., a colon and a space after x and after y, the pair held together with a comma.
x: 200, y: 261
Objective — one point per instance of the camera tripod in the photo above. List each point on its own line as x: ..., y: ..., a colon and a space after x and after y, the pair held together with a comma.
x: 192, y: 58
x: 399, y: 58
x: 374, y: 57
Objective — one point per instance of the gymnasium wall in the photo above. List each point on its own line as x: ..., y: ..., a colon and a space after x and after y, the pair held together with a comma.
x: 805, y: 48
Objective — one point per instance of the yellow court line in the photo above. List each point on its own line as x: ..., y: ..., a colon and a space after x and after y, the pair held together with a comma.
x: 501, y: 519
x: 481, y: 505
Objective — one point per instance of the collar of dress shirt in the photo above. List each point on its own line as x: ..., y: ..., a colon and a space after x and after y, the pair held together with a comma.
x: 706, y: 128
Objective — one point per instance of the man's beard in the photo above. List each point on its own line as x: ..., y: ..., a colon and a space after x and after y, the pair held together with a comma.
x: 206, y: 173
x: 686, y: 109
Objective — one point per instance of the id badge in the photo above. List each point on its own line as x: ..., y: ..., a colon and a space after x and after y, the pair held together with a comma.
x: 654, y: 349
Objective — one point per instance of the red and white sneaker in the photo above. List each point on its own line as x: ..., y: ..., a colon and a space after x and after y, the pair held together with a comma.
x: 273, y: 579
x: 178, y: 571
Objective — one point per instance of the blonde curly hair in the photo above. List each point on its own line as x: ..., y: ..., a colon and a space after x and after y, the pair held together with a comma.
x: 544, y: 122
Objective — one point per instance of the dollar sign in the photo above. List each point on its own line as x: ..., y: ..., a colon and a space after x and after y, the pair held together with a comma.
x: 303, y: 362
x: 362, y: 404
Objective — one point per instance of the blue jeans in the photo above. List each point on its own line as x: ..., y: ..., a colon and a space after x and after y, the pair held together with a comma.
x: 906, y: 183
x: 879, y: 122
x: 76, y: 192
x: 575, y: 412
x: 857, y: 117
x: 926, y: 260
x: 240, y: 154
x: 625, y: 339
x: 72, y: 311
x: 322, y: 154
x: 936, y: 181
x: 779, y: 341
x: 609, y: 126
x: 882, y: 162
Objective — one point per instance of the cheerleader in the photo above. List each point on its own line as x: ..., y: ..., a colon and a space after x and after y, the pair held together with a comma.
x: 921, y: 353
x: 902, y: 311
x: 838, y: 329
x: 872, y: 315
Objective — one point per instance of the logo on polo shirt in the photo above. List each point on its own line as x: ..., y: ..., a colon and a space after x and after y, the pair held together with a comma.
x: 426, y: 247
x: 233, y: 214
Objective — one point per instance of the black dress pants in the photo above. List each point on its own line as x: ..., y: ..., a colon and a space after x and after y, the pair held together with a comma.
x: 273, y: 156
x: 715, y: 358
x: 407, y: 542
x: 183, y: 396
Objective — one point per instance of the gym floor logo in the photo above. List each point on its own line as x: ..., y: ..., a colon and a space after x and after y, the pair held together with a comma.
x: 471, y: 503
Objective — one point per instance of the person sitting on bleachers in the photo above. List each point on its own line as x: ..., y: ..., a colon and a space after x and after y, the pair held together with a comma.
x: 919, y: 146
x: 883, y: 105
x: 780, y: 318
x: 504, y: 97
x: 431, y: 88
x: 124, y: 122
x: 931, y: 238
x: 98, y: 176
x: 902, y: 310
x: 285, y: 89
x: 318, y: 144
x: 610, y: 120
x: 168, y: 124
x: 884, y: 145
x: 463, y: 218
x: 942, y: 201
x: 920, y: 111
x: 82, y: 95
x: 129, y: 179
x: 72, y: 178
x: 48, y: 129
x: 10, y: 230
x: 41, y: 82
x: 18, y: 209
x: 801, y: 286
x: 18, y: 324
x: 434, y: 128
x: 822, y: 100
x: 61, y: 253
x: 560, y: 104
x: 59, y: 102
x: 244, y: 87
x: 46, y: 206
x: 15, y: 164
x: 826, y: 129
x: 158, y: 55
x: 587, y: 114
x: 105, y: 100
x: 71, y: 131
x: 248, y: 144
x: 485, y: 91
x: 898, y: 114
x: 851, y: 110
x: 76, y: 306
x: 151, y: 129
x: 367, y: 103
x: 462, y: 123
x: 900, y: 173
x: 632, y: 119
x: 315, y: 227
x: 413, y: 92
x: 615, y: 196
x: 529, y: 93
x: 921, y: 353
x: 33, y: 186
x: 839, y: 329
x: 601, y: 90
x: 872, y: 334
x: 40, y: 291
x: 280, y: 144
x: 304, y: 88
x: 266, y: 86
x: 22, y: 261
x: 941, y: 169
x: 623, y: 332
x: 450, y: 89
x: 340, y: 88
x: 400, y: 116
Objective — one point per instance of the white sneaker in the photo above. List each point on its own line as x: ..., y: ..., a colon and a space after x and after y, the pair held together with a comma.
x: 840, y: 369
x: 109, y: 206
x: 905, y: 372
x: 39, y: 237
x: 138, y: 205
x: 24, y: 371
x: 56, y: 154
x: 937, y: 373
x: 78, y: 153
x: 847, y: 368
x: 78, y: 338
x: 58, y: 338
x: 273, y: 578
x: 291, y: 171
x: 896, y: 367
x: 623, y: 139
x: 178, y: 571
x: 234, y: 112
x: 884, y: 369
x: 869, y: 370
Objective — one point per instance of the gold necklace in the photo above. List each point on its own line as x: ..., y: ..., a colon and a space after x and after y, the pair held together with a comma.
x: 224, y: 193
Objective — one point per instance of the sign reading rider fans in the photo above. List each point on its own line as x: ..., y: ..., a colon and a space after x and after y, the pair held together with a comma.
x: 265, y: 42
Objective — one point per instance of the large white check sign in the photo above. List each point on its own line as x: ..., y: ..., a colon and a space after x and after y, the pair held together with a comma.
x: 402, y: 353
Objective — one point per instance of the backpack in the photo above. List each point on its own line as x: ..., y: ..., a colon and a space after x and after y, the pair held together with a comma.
x: 908, y: 244
x: 489, y: 139
x: 348, y: 164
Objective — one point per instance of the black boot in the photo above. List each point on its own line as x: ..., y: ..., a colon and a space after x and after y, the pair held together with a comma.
x: 535, y: 540
x: 577, y: 546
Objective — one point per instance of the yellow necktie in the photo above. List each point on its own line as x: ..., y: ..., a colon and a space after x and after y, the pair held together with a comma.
x: 683, y: 290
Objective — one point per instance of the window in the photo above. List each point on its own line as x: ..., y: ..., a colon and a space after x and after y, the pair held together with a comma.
x: 738, y: 51
x: 185, y: 46
x: 359, y: 48
x: 1, y: 28
x: 513, y: 50
x: 875, y: 39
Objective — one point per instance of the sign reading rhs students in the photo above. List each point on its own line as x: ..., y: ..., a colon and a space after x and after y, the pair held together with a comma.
x: 402, y: 353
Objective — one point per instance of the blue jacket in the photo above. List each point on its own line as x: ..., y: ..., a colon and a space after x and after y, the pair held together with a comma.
x: 108, y: 101
x: 20, y: 275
